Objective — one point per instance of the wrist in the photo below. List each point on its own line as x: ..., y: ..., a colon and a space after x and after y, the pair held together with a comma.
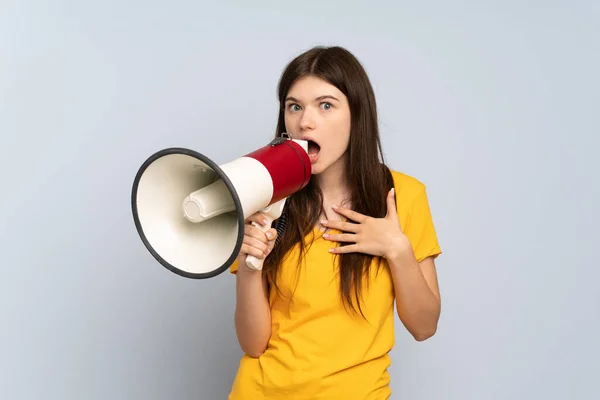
x: 399, y: 249
x: 245, y: 270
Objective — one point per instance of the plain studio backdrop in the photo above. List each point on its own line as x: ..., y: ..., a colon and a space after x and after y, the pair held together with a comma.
x: 493, y: 105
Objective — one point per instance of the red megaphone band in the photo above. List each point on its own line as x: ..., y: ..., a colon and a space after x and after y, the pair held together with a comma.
x: 288, y: 164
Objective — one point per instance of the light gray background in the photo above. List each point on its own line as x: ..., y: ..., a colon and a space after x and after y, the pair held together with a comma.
x: 494, y: 105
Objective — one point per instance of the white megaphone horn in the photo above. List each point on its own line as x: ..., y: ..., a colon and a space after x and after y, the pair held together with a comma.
x: 190, y: 212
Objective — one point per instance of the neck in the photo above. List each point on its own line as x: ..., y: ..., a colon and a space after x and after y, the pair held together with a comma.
x: 333, y: 185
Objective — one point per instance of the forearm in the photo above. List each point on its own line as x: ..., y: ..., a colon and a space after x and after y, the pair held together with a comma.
x: 252, y: 312
x: 417, y: 305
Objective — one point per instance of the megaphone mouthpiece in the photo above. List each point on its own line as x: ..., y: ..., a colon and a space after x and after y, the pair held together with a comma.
x: 208, y: 202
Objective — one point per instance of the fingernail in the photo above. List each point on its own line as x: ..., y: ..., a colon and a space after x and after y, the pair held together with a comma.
x: 269, y: 235
x: 334, y: 207
x: 323, y: 222
x: 264, y: 221
x: 326, y: 235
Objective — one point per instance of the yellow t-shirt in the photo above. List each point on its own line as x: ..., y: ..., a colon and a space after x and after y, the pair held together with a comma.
x: 317, y: 349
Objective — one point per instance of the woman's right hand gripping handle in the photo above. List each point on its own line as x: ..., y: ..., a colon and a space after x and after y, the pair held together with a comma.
x: 258, y: 240
x: 252, y: 311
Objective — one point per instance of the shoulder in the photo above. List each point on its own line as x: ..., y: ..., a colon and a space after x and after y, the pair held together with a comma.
x: 414, y: 213
x: 407, y: 187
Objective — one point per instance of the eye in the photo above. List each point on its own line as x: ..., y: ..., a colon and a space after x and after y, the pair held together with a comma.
x: 293, y: 107
x: 326, y: 106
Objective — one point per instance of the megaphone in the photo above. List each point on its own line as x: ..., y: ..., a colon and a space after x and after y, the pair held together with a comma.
x: 190, y: 212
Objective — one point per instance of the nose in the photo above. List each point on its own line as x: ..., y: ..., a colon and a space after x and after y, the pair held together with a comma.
x: 307, y: 121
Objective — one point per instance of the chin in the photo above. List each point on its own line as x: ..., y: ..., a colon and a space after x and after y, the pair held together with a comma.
x: 317, y: 169
x: 324, y: 165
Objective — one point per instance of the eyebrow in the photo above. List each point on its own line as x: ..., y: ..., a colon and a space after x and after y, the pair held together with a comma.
x: 327, y: 96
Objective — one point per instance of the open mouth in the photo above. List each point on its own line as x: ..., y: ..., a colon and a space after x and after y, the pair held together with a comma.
x: 313, y: 148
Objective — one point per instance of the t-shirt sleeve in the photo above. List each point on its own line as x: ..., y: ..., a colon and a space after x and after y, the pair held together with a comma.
x: 233, y: 268
x: 420, y: 228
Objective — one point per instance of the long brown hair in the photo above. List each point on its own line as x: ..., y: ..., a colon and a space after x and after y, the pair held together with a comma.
x: 368, y: 177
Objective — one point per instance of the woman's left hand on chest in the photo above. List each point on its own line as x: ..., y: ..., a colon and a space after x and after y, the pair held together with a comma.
x: 376, y: 236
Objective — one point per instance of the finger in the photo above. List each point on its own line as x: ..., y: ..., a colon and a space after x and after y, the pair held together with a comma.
x: 257, y: 218
x: 253, y: 251
x: 257, y: 232
x: 271, y: 234
x: 350, y: 214
x: 391, y: 204
x: 255, y: 243
x: 270, y: 247
x: 255, y: 237
x: 343, y: 226
x: 344, y: 237
x: 351, y: 248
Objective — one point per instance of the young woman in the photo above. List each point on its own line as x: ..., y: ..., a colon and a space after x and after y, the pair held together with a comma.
x: 318, y: 321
